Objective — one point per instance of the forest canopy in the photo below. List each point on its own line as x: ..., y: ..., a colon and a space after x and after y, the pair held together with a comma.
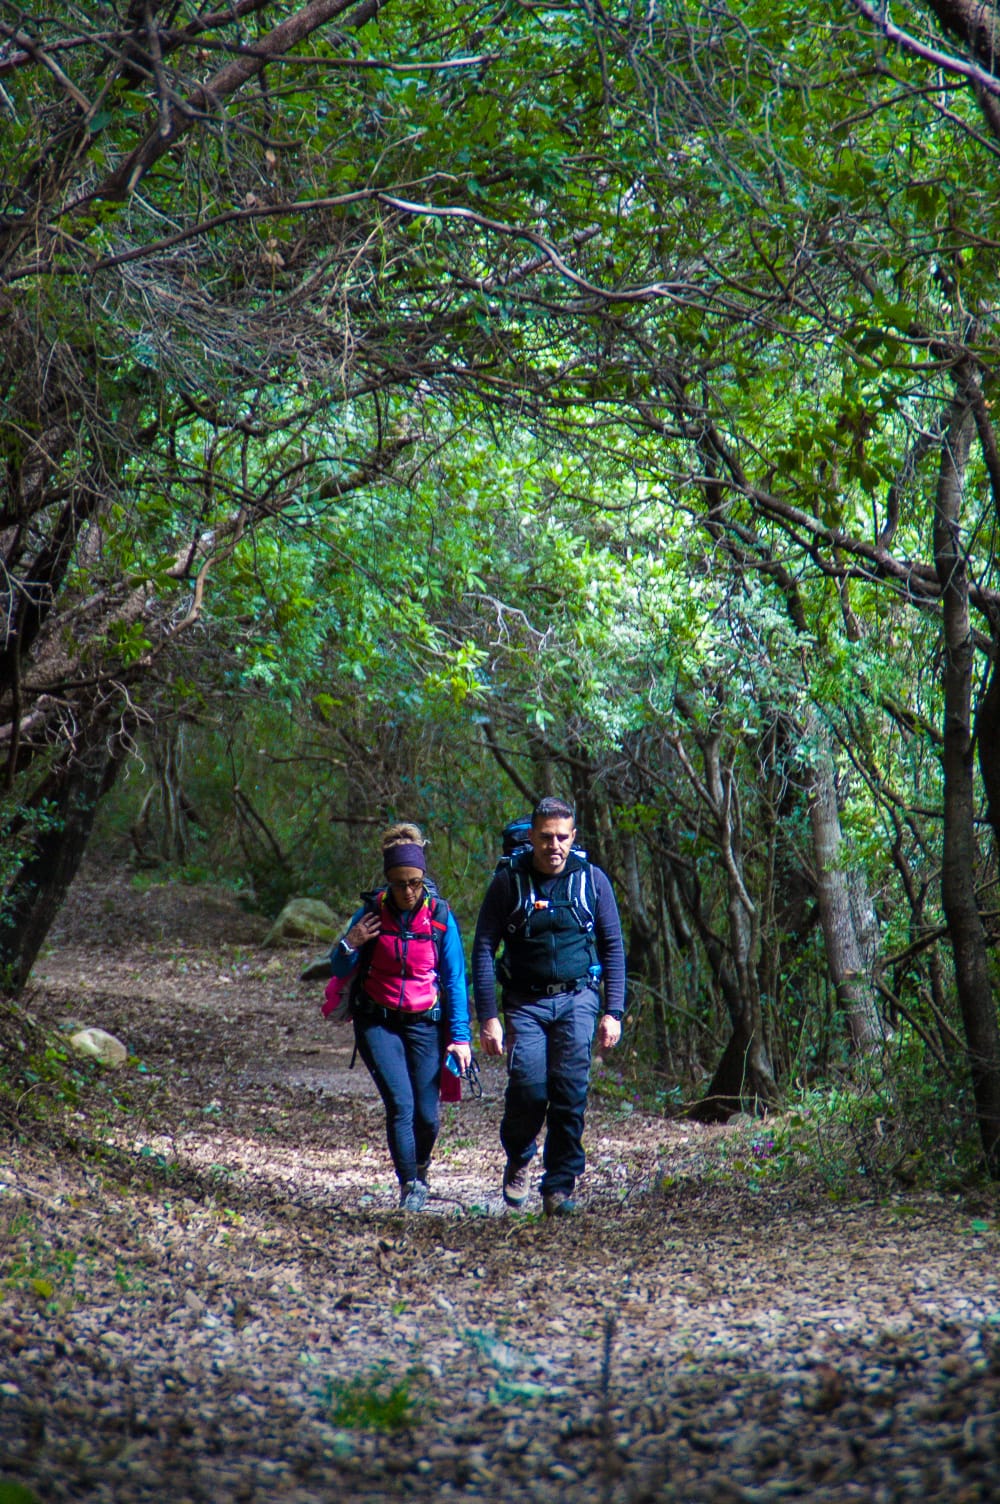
x: 398, y: 399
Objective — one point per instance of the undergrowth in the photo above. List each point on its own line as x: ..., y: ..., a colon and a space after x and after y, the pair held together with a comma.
x: 889, y: 1122
x: 44, y: 1080
x: 51, y: 1095
x: 872, y: 1134
x: 34, y: 1073
x: 374, y: 1401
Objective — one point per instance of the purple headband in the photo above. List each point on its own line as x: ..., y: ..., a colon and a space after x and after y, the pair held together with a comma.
x: 406, y: 854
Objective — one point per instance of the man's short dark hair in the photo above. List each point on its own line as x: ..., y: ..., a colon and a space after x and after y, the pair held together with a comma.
x: 551, y: 808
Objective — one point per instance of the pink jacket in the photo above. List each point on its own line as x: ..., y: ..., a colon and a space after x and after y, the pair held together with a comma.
x: 402, y: 971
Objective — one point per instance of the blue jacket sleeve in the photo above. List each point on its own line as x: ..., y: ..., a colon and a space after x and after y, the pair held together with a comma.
x: 342, y: 964
x: 453, y: 987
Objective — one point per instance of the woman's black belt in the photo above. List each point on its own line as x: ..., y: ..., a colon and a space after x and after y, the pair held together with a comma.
x: 367, y: 1007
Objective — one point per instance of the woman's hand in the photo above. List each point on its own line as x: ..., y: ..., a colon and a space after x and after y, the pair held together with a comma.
x: 462, y: 1053
x: 367, y: 927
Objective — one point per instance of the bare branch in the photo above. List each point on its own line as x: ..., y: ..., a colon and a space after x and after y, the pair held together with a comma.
x: 878, y: 15
x: 205, y: 99
x: 40, y: 55
x: 486, y: 727
x: 679, y: 291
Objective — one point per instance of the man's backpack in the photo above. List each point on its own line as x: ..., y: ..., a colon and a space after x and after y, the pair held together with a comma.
x: 515, y: 858
x: 515, y: 838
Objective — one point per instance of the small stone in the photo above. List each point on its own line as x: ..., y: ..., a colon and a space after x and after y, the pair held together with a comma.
x: 100, y: 1046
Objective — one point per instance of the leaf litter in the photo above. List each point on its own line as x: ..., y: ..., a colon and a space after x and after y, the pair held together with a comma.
x: 213, y: 1296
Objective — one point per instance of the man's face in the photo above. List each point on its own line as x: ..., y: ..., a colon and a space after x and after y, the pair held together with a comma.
x: 551, y: 840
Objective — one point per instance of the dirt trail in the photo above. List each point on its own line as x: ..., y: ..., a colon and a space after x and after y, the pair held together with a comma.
x: 214, y: 1307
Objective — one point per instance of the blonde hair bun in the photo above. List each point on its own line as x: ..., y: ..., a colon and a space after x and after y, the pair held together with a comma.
x: 405, y: 832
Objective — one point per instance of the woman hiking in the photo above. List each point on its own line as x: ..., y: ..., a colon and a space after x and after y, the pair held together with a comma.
x: 409, y: 1006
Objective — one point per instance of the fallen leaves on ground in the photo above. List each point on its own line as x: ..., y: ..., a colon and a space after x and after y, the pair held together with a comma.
x: 217, y: 1299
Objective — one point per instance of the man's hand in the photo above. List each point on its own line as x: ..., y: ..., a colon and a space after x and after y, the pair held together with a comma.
x: 491, y: 1037
x: 609, y: 1031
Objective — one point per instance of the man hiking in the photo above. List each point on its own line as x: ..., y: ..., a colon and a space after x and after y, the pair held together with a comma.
x: 555, y: 916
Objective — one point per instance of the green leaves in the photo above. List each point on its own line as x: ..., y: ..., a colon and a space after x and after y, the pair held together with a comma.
x: 16, y: 1493
x: 374, y: 1401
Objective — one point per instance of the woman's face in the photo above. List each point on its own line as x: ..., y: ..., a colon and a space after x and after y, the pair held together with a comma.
x: 406, y: 885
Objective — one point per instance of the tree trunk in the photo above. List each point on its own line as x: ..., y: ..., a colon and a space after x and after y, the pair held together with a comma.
x: 844, y: 951
x: 663, y: 1054
x: 49, y: 835
x: 744, y: 1078
x: 958, y: 889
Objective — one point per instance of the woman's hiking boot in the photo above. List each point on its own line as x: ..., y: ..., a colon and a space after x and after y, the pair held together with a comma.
x: 413, y: 1196
x: 516, y: 1183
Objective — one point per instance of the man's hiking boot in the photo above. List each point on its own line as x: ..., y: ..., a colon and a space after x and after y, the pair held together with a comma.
x: 516, y: 1183
x: 559, y: 1204
x: 413, y: 1196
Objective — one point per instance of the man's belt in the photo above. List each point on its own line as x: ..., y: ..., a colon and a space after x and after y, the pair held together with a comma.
x: 552, y: 988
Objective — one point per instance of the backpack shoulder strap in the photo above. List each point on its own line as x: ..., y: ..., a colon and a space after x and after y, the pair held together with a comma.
x: 439, y: 924
x: 522, y: 893
x: 583, y: 895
